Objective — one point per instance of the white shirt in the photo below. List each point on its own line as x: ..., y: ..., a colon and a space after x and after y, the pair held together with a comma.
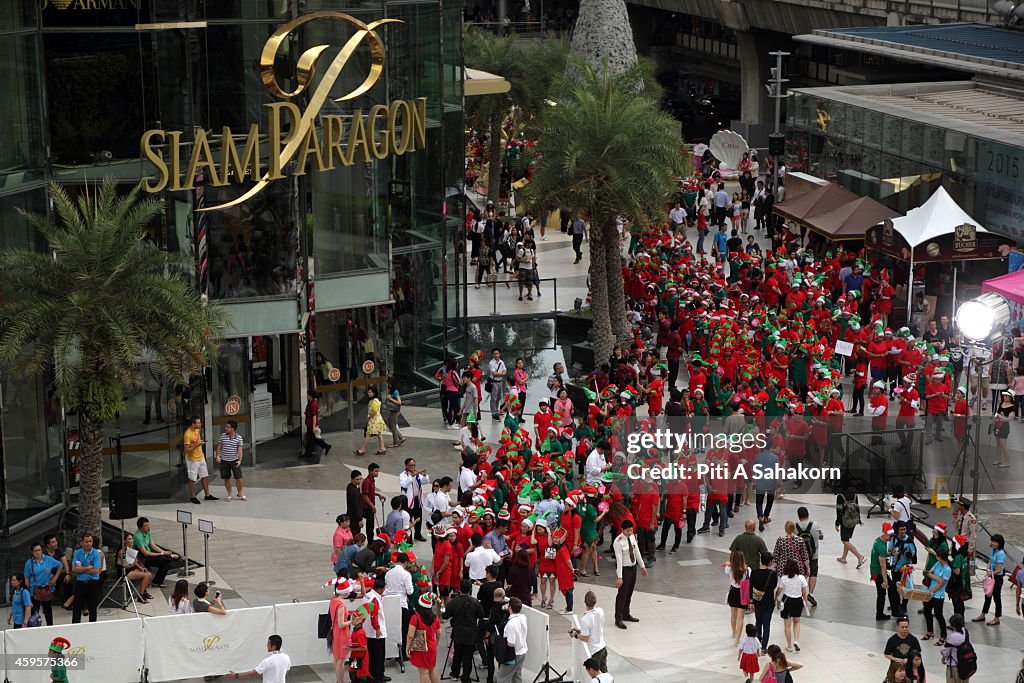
x: 368, y: 625
x: 398, y: 581
x: 478, y: 560
x: 603, y: 678
x: 467, y: 479
x: 595, y: 466
x: 274, y: 667
x: 436, y: 501
x: 592, y: 626
x: 677, y: 215
x: 411, y: 486
x: 793, y: 587
x: 496, y: 366
x: 621, y: 545
x: 184, y: 606
x: 515, y: 633
x: 902, y: 508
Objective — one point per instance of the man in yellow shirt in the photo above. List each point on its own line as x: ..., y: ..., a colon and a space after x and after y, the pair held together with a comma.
x: 195, y: 461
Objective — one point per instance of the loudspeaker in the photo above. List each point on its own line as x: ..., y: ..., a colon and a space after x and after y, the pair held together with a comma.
x: 776, y: 144
x: 124, y: 497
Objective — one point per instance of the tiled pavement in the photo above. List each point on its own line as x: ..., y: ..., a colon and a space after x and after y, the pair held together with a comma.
x: 275, y: 547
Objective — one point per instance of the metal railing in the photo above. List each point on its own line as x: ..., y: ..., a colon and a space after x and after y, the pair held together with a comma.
x: 510, y: 286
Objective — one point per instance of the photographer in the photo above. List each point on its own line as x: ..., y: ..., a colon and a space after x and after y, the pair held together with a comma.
x: 465, y: 613
x: 591, y: 632
x: 201, y: 604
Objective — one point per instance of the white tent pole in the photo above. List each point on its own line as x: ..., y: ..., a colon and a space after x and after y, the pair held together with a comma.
x: 952, y: 312
x: 910, y: 287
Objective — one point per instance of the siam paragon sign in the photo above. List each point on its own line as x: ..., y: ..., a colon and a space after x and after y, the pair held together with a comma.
x: 312, y: 141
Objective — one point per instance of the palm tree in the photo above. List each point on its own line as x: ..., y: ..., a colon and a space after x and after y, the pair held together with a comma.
x: 606, y: 151
x: 87, y: 311
x: 529, y: 68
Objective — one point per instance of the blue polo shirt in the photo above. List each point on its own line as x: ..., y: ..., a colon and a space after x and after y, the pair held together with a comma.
x: 91, y: 559
x: 997, y: 558
x: 20, y: 601
x: 38, y: 574
x: 944, y: 572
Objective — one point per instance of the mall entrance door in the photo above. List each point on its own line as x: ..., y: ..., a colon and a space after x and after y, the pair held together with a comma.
x: 256, y: 383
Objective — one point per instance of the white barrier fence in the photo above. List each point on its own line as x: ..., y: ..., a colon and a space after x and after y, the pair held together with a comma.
x: 175, y: 647
x: 107, y: 651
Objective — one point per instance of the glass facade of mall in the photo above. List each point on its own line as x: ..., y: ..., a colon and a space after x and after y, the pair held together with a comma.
x: 890, y: 154
x: 351, y: 262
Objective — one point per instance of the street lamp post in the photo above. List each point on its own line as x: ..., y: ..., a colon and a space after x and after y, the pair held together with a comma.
x: 777, y: 141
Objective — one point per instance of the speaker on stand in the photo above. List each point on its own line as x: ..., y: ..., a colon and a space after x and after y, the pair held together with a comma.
x: 124, y: 504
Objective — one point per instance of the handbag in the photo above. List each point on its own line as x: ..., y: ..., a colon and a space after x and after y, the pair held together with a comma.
x: 745, y: 592
x: 436, y: 516
x: 34, y: 619
x: 988, y: 585
x: 419, y: 641
x: 42, y: 593
x: 488, y: 385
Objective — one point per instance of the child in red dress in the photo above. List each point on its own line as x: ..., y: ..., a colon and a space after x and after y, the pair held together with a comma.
x: 749, y: 648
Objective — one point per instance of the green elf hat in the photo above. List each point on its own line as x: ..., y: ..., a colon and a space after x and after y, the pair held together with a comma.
x: 591, y: 395
x: 471, y: 418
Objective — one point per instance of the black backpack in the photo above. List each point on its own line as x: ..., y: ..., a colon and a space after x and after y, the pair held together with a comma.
x: 809, y: 540
x: 966, y: 658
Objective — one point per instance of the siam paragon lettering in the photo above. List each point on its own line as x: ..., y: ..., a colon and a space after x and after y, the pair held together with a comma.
x: 312, y: 140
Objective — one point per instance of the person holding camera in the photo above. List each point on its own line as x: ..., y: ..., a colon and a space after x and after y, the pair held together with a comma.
x: 411, y: 482
x: 465, y: 612
x: 201, y: 604
x: 591, y: 633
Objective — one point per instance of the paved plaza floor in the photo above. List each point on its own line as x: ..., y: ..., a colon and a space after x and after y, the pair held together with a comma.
x: 276, y: 546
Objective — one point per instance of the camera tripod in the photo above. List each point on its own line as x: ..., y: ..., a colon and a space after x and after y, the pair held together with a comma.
x: 129, y: 593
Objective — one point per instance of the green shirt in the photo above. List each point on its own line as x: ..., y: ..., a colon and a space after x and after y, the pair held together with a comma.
x: 143, y: 540
x: 879, y: 553
x: 588, y: 523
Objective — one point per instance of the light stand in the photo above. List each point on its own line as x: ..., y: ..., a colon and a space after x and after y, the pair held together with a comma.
x: 184, y: 519
x: 129, y: 593
x: 206, y: 529
x: 981, y: 320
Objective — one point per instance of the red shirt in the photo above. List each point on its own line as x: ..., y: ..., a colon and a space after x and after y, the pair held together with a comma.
x: 698, y: 379
x: 797, y: 431
x: 906, y: 409
x: 358, y: 640
x: 541, y: 422
x: 442, y: 550
x: 835, y: 421
x: 563, y: 568
x: 938, y: 404
x: 878, y: 422
x: 654, y: 396
x: 545, y: 565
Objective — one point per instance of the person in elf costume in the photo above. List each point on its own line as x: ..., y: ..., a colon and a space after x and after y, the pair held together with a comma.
x: 59, y: 671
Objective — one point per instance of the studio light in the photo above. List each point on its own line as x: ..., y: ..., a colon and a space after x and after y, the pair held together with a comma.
x: 983, y: 318
x: 1003, y: 7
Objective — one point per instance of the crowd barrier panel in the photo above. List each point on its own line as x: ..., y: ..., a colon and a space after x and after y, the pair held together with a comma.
x: 296, y: 623
x: 536, y: 640
x: 578, y: 655
x: 198, y: 645
x: 105, y: 651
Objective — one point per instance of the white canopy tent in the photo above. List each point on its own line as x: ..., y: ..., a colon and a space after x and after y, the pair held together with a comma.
x: 938, y: 216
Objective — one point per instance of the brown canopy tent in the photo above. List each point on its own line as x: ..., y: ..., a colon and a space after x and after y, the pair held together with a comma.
x: 851, y: 220
x: 820, y: 200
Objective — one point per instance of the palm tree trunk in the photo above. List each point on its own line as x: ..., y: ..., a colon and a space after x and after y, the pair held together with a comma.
x: 90, y: 476
x: 616, y: 288
x: 601, y: 334
x: 495, y: 155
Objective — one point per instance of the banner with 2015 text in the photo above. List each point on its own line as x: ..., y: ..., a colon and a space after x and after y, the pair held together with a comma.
x: 196, y: 645
x: 100, y: 652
